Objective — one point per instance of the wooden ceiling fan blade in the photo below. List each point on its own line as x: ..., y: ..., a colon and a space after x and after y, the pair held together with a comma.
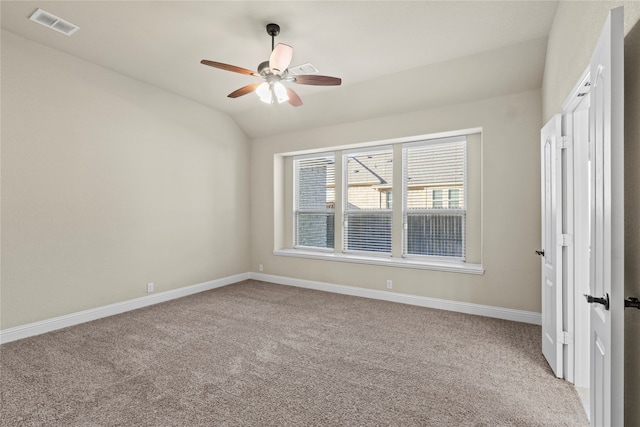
x: 229, y: 67
x: 280, y: 58
x: 244, y: 90
x: 311, y: 79
x: 294, y: 99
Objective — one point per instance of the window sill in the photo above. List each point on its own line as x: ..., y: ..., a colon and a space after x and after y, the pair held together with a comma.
x: 448, y: 266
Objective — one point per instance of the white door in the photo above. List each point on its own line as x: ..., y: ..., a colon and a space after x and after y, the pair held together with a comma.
x: 551, y: 174
x: 606, y: 277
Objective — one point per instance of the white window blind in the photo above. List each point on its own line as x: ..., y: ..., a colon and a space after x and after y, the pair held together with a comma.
x: 368, y: 200
x: 434, y: 208
x: 314, y: 201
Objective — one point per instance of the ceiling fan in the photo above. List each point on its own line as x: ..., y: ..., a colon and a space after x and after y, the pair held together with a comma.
x: 275, y: 72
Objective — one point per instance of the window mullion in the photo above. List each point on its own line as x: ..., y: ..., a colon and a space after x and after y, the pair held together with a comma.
x: 339, y: 203
x: 398, y: 203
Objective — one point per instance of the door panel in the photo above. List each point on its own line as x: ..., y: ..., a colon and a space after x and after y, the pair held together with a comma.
x: 606, y: 276
x: 598, y: 358
x: 582, y: 339
x: 551, y: 185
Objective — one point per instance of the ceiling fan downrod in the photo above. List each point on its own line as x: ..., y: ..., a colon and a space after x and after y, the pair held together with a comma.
x: 273, y: 30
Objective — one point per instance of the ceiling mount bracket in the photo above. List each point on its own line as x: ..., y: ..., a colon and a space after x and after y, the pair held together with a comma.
x: 273, y: 30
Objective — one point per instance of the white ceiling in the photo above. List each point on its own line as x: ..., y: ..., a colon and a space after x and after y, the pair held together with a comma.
x: 392, y: 56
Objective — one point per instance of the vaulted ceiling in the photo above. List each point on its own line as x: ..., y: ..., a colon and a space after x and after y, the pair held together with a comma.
x: 392, y: 56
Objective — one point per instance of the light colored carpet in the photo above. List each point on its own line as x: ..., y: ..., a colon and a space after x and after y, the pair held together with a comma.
x: 259, y: 354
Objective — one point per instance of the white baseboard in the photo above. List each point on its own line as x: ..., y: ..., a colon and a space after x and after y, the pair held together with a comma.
x: 41, y: 327
x: 441, y: 304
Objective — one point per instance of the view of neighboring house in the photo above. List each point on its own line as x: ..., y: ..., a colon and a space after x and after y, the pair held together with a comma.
x: 433, y: 190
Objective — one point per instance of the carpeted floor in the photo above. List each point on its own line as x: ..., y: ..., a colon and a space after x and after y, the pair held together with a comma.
x: 259, y: 354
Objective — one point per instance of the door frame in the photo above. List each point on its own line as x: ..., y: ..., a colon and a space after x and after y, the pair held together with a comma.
x: 574, y: 306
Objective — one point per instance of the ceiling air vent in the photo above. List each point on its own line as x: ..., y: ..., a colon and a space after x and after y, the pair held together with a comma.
x: 49, y: 20
x: 303, y: 69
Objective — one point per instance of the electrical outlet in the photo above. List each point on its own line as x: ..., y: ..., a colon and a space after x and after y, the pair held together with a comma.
x: 149, y: 287
x: 389, y: 284
x: 260, y: 267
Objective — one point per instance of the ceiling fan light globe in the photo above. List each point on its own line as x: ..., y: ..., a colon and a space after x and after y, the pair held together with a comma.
x: 264, y: 93
x: 280, y: 92
x: 280, y: 58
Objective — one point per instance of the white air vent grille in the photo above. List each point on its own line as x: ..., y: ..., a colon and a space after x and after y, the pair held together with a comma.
x: 303, y: 69
x: 49, y: 20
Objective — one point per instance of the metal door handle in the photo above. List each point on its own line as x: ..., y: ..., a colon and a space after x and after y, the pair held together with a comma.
x: 541, y: 253
x: 632, y: 302
x: 604, y: 300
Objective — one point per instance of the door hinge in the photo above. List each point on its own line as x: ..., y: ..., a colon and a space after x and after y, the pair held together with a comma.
x: 565, y: 239
x: 565, y: 338
x: 565, y: 142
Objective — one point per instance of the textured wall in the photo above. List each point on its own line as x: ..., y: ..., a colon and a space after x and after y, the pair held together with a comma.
x: 108, y: 184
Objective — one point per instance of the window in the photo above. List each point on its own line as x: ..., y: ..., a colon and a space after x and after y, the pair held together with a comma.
x: 454, y: 198
x: 434, y: 227
x: 367, y: 208
x: 437, y: 199
x: 409, y: 203
x: 314, y: 201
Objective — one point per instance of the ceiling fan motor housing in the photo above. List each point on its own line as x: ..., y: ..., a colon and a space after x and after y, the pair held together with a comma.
x: 265, y: 71
x: 263, y: 68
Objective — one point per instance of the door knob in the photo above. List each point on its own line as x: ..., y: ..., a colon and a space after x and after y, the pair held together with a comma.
x: 541, y: 253
x: 595, y: 300
x: 632, y: 302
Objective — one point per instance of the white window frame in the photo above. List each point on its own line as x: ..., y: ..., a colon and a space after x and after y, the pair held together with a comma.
x: 326, y: 211
x: 398, y: 260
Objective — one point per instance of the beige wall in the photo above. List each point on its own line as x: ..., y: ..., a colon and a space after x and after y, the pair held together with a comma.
x: 573, y: 35
x: 511, y: 203
x: 108, y: 184
x: 575, y: 30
